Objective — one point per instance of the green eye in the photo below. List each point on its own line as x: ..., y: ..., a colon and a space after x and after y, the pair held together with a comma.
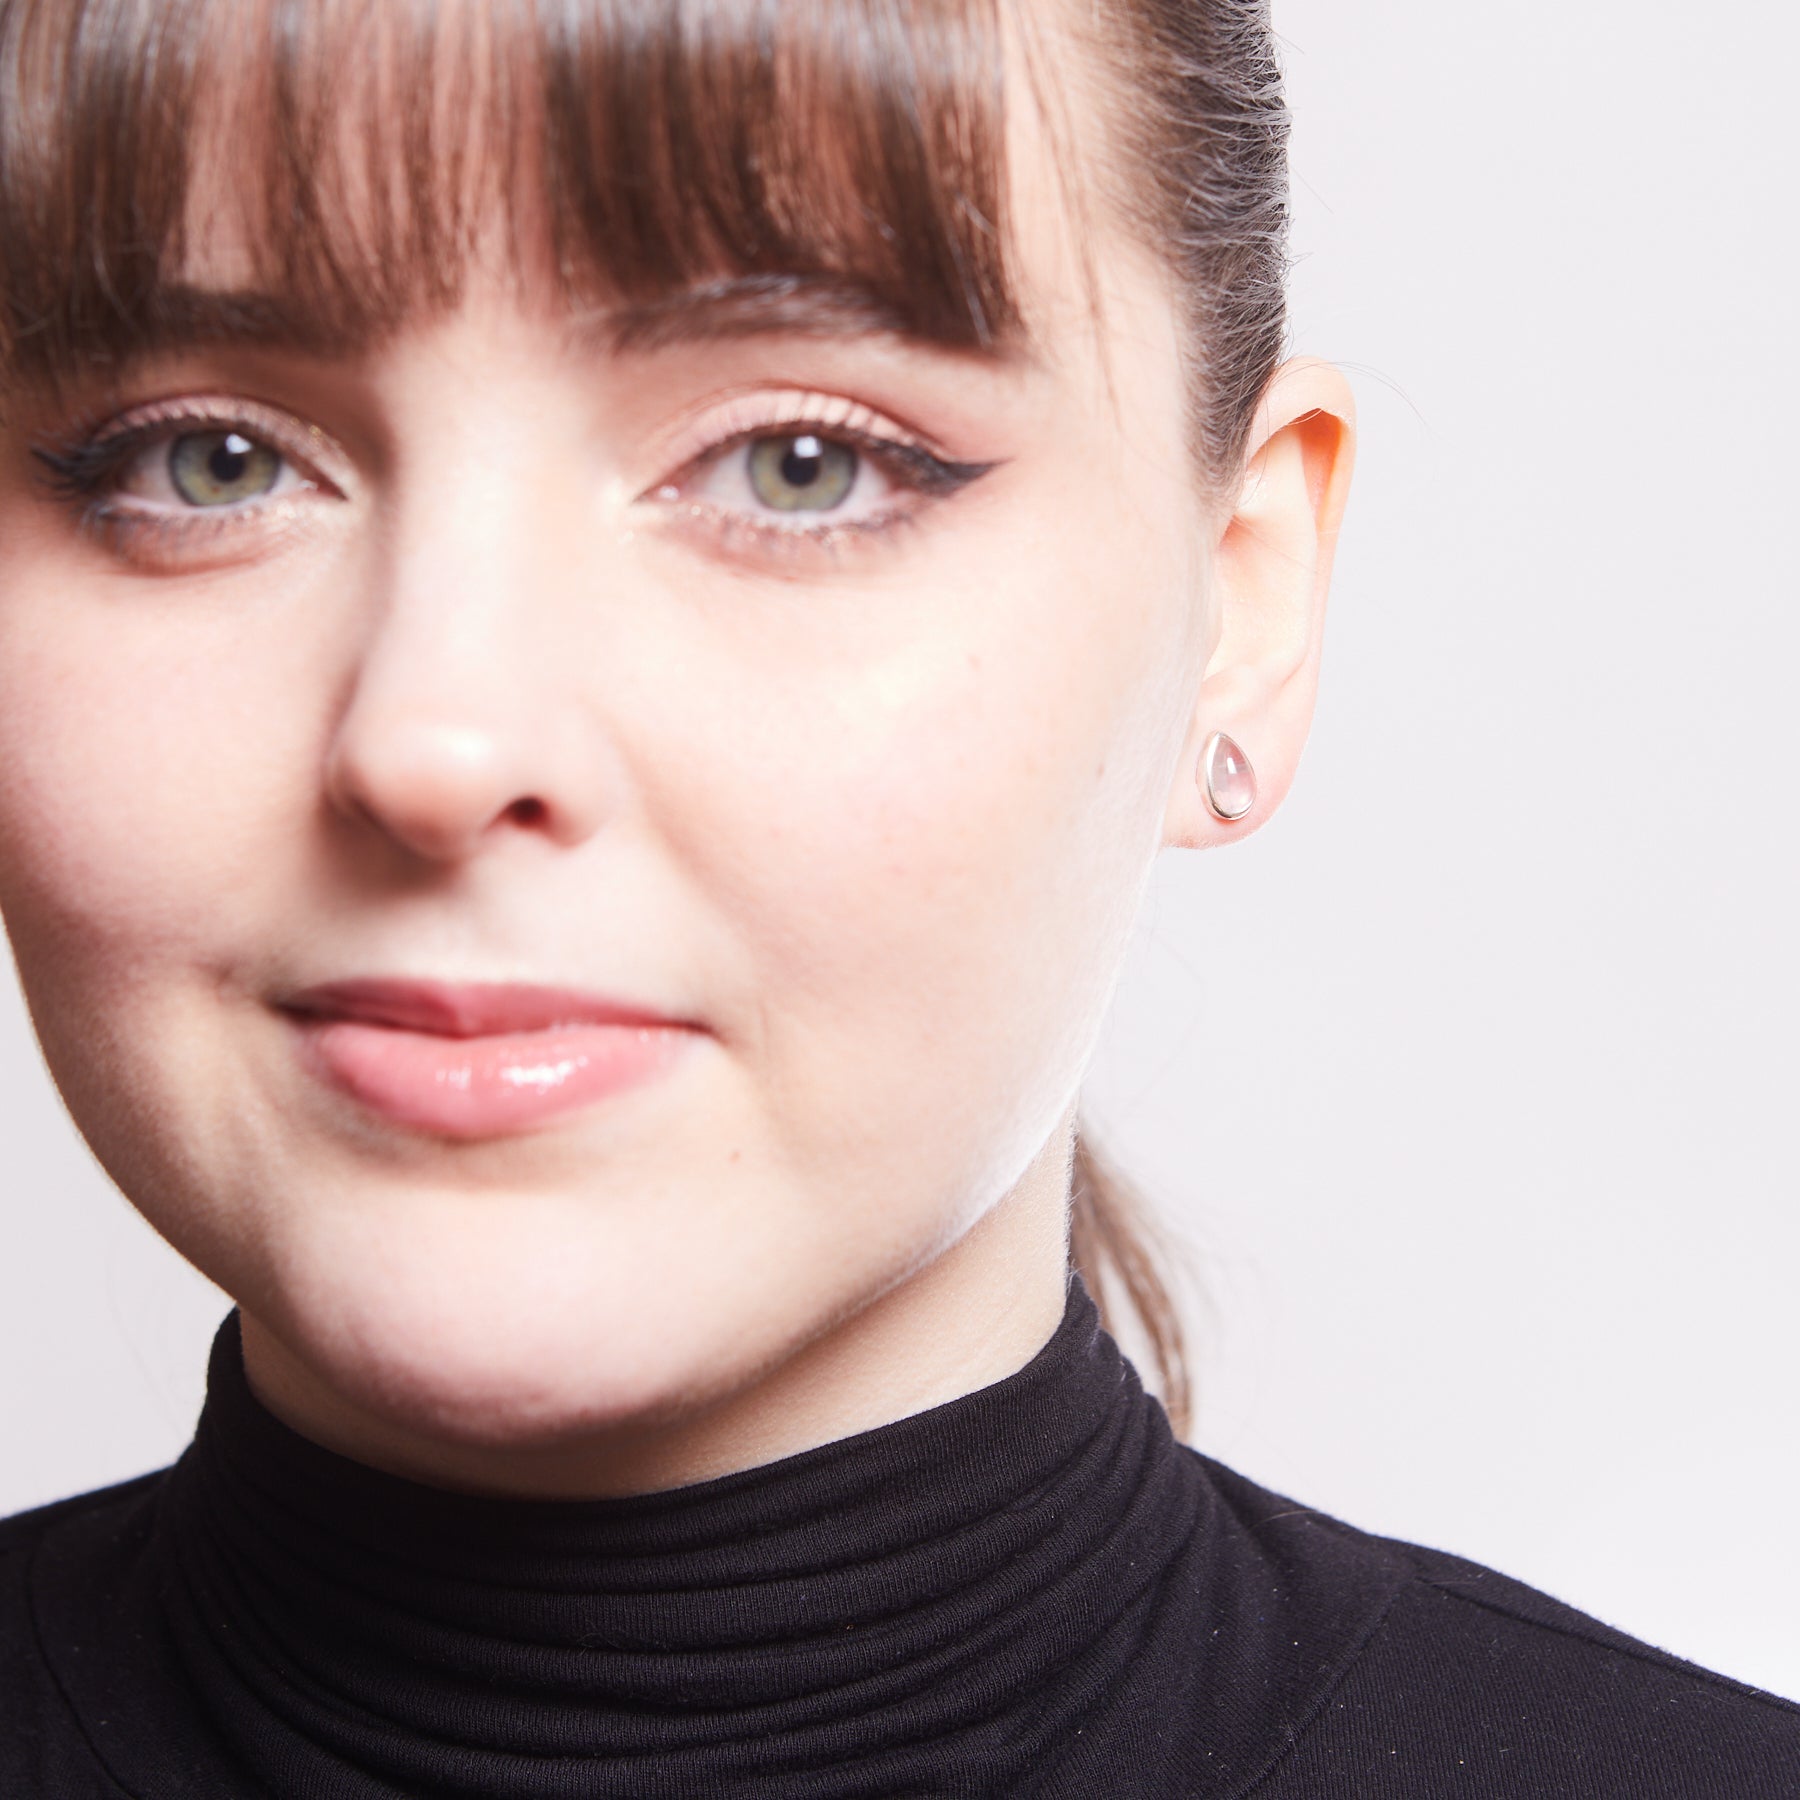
x: 801, y: 474
x: 217, y: 468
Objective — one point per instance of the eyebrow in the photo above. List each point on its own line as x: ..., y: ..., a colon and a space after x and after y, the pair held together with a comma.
x: 178, y: 316
x: 787, y: 306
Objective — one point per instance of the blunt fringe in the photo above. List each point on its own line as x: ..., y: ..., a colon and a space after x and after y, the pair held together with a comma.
x: 357, y: 149
x: 665, y: 145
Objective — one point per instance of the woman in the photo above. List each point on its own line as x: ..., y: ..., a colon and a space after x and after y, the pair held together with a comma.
x: 604, y: 608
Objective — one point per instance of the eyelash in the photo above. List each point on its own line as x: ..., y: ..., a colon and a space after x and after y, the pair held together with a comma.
x: 81, y: 466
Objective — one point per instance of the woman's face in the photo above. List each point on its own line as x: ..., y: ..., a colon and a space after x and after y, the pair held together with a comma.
x: 811, y: 697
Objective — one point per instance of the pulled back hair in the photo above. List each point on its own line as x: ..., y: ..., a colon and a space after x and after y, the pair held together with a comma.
x: 785, y: 148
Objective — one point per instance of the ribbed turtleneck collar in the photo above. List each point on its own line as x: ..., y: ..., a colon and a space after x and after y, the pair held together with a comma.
x: 931, y: 1607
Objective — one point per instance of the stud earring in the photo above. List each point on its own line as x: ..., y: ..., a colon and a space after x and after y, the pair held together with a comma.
x: 1227, y: 778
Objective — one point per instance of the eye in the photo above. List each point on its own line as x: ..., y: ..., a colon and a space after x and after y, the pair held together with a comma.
x: 798, y: 478
x: 784, y: 470
x: 201, y: 470
x: 218, y: 468
x: 177, y: 483
x: 184, y: 461
x: 802, y: 473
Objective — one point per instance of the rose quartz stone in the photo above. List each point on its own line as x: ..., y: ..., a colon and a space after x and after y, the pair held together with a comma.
x: 1230, y: 781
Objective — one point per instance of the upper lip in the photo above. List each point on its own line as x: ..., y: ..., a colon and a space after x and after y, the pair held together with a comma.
x: 465, y: 1009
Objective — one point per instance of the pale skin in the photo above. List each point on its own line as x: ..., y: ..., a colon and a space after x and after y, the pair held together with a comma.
x: 506, y: 681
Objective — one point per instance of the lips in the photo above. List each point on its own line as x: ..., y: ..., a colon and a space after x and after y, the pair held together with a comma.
x: 478, y: 1060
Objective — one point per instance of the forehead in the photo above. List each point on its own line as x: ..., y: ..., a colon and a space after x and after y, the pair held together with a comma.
x: 320, y: 172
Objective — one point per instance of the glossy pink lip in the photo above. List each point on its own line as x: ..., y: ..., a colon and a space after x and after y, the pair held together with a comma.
x: 479, y: 1060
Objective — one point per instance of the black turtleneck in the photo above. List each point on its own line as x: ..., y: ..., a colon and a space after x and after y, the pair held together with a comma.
x: 1029, y: 1591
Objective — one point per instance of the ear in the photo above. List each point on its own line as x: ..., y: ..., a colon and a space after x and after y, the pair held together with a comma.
x: 1271, y: 569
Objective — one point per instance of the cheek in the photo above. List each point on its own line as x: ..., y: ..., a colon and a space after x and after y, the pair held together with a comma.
x: 935, y: 848
x: 139, y: 784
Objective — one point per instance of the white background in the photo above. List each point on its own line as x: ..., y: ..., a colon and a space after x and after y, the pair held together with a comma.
x: 1471, y: 1079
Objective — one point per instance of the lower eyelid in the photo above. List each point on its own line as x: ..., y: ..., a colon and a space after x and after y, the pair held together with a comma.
x: 734, y: 532
x: 774, y: 523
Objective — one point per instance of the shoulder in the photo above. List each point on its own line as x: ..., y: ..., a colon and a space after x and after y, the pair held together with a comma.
x: 42, y: 1750
x: 20, y: 1531
x: 1473, y: 1684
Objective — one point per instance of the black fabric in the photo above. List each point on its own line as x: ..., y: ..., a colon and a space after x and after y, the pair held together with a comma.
x: 1031, y: 1591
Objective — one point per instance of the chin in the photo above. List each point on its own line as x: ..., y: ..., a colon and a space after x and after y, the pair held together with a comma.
x: 519, y: 1326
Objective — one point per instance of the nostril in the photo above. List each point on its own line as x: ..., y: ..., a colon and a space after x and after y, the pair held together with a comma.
x: 528, y: 811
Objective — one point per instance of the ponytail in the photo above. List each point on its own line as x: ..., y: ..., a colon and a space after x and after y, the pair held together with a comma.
x: 1118, y: 1254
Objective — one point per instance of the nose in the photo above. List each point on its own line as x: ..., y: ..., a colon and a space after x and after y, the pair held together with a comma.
x: 461, y: 722
x: 443, y: 788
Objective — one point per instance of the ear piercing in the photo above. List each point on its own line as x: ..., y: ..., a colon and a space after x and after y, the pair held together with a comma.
x: 1227, y: 778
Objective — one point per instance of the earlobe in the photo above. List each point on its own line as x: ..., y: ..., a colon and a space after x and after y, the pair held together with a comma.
x: 1271, y: 570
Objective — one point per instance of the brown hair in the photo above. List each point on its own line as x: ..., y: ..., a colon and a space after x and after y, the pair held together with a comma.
x: 844, y: 149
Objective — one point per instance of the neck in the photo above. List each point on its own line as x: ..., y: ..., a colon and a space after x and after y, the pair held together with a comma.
x: 964, y: 1320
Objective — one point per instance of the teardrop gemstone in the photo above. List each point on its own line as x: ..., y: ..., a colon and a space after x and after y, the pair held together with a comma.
x: 1230, y: 781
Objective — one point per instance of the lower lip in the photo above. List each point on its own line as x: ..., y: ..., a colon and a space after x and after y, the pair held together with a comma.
x: 490, y: 1086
